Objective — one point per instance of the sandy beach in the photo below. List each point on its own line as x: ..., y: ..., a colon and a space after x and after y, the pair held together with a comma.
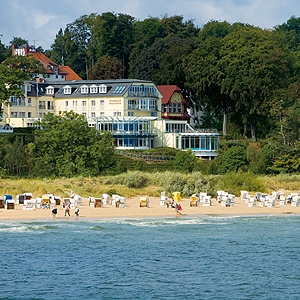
x: 133, y: 210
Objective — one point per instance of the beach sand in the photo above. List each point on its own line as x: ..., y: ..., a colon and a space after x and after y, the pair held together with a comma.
x: 133, y: 210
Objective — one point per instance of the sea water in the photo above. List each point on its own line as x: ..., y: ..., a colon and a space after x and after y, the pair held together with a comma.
x: 203, y: 257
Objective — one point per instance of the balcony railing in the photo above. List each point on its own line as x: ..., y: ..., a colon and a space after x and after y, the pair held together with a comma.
x: 17, y: 103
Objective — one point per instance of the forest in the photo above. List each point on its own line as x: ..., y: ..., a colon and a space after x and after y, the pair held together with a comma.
x: 244, y: 80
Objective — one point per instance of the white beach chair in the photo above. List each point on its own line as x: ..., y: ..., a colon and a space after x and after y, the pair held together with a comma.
x: 271, y: 202
x: 91, y: 201
x: 28, y: 205
x: 296, y: 201
x: 163, y: 198
x: 122, y: 202
x: 115, y: 198
x: 105, y: 199
x: 232, y: 199
x: 206, y: 201
x: 38, y: 203
x: 244, y: 195
x: 252, y: 202
x: 282, y: 200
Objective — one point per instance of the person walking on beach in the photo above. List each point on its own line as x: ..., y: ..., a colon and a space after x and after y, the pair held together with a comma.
x: 178, y: 208
x: 67, y: 211
x: 77, y: 212
x: 172, y: 203
x: 54, y: 212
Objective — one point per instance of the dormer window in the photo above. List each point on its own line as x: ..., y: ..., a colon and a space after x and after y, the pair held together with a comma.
x: 103, y: 89
x: 67, y: 90
x: 93, y: 89
x: 49, y: 90
x: 84, y: 89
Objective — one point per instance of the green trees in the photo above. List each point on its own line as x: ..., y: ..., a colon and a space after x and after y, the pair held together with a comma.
x: 202, y: 67
x: 238, y: 69
x: 13, y: 72
x: 67, y: 146
x: 106, y: 67
x: 252, y: 68
x: 185, y: 161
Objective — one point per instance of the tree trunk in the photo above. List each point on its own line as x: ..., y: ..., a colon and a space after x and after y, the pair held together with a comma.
x: 253, y: 131
x: 245, y: 131
x: 224, y: 123
x: 282, y: 132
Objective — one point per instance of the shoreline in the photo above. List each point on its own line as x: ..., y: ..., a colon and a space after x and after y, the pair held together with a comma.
x: 132, y: 210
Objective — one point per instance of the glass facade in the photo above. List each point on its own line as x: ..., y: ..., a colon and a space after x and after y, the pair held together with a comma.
x: 142, y: 104
x: 142, y: 91
x: 199, y: 142
x: 127, y: 132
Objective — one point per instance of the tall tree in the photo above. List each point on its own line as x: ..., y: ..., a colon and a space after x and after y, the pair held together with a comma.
x: 106, y: 67
x: 67, y: 146
x: 201, y: 69
x: 13, y: 72
x: 251, y: 68
x: 72, y: 46
x: 113, y: 36
x: 161, y: 44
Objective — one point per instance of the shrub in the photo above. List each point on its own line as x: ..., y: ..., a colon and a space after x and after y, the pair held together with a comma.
x: 233, y: 159
x: 234, y: 182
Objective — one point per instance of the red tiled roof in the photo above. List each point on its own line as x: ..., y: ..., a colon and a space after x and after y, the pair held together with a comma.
x: 167, y: 91
x: 70, y: 74
x: 46, y: 62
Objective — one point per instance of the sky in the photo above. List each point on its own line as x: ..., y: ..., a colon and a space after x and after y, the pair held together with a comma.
x: 38, y: 21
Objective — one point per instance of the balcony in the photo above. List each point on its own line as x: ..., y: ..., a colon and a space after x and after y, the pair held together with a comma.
x: 17, y: 103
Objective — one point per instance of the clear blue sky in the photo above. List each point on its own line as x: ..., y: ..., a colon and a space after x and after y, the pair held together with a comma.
x: 38, y: 21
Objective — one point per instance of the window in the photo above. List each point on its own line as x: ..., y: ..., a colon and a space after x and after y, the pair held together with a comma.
x: 143, y: 90
x: 50, y: 105
x: 29, y: 101
x: 29, y: 114
x: 93, y: 103
x: 83, y: 104
x: 13, y: 114
x: 143, y: 104
x: 133, y: 104
x: 179, y: 107
x: 130, y: 113
x: 67, y: 90
x: 41, y: 115
x: 75, y: 104
x: 101, y: 113
x: 66, y: 104
x: 14, y: 101
x: 103, y: 89
x: 117, y: 113
x: 84, y: 114
x: 119, y: 89
x: 49, y: 90
x: 42, y: 104
x: 102, y: 104
x: 29, y: 88
x: 153, y: 114
x: 93, y: 89
x: 152, y: 104
x: 93, y: 114
x: 84, y: 89
x: 22, y: 114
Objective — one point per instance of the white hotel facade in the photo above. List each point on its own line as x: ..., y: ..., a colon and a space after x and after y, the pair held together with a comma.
x: 130, y: 109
